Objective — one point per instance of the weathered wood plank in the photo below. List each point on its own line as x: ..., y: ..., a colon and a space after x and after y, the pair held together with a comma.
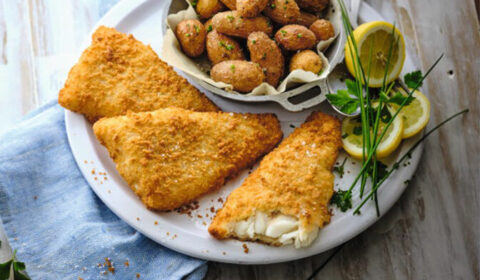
x: 17, y: 93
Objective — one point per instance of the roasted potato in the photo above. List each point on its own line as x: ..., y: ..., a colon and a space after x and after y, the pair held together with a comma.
x: 295, y: 37
x: 251, y: 8
x: 282, y: 11
x: 208, y: 8
x: 314, y: 6
x: 231, y: 4
x: 307, y: 60
x: 231, y: 23
x: 268, y: 55
x: 191, y: 35
x: 306, y: 19
x: 221, y: 48
x: 208, y: 25
x: 323, y: 29
x: 244, y: 76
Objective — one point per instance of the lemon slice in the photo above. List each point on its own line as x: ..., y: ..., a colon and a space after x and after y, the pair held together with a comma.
x: 377, y: 37
x: 353, y: 140
x: 415, y: 115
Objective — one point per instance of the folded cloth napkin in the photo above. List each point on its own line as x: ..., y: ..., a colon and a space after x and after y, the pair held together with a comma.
x: 61, y: 230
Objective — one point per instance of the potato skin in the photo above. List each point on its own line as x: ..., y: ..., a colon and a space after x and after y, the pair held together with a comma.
x: 231, y: 23
x: 251, y: 8
x: 231, y: 4
x: 306, y: 60
x: 323, y: 29
x: 191, y: 35
x: 268, y: 55
x: 282, y: 11
x: 314, y: 6
x: 208, y: 8
x: 244, y: 76
x: 295, y: 37
x: 221, y: 48
x: 208, y: 25
x: 306, y: 19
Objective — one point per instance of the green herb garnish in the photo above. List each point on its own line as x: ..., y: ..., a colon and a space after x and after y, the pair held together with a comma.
x: 414, y: 79
x: 341, y: 168
x: 232, y: 67
x: 346, y: 100
x: 197, y: 29
x: 342, y: 199
x: 299, y: 35
x: 226, y: 46
x: 397, y: 98
x: 194, y: 3
x: 209, y: 28
x: 18, y: 269
x: 230, y: 18
x: 284, y: 33
x: 273, y: 6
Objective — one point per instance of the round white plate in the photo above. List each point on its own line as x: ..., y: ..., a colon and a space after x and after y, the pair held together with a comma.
x: 188, y: 234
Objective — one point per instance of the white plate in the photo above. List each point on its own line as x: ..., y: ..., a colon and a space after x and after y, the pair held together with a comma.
x: 146, y: 20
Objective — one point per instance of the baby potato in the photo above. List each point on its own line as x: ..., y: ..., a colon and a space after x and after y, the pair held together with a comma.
x: 231, y: 23
x: 306, y: 19
x: 307, y: 60
x: 191, y: 35
x: 208, y: 25
x: 323, y: 29
x: 282, y: 11
x: 208, y: 8
x: 244, y: 76
x: 314, y: 6
x: 231, y: 4
x: 295, y: 37
x: 268, y: 55
x: 250, y: 8
x: 221, y: 48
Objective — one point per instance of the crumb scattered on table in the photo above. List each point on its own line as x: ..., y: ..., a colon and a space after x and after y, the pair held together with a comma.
x: 245, y: 248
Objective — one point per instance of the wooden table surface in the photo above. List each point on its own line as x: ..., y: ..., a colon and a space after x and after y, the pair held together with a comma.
x: 433, y: 231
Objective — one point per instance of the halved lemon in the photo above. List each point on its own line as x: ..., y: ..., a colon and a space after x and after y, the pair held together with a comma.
x: 353, y: 140
x: 415, y: 115
x: 376, y: 36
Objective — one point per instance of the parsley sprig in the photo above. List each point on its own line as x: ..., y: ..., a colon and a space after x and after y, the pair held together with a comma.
x: 17, y: 266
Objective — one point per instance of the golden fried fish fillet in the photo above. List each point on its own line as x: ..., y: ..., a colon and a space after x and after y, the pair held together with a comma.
x: 171, y: 156
x: 117, y: 73
x: 285, y: 199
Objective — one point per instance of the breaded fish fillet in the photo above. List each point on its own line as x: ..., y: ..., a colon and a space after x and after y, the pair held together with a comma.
x: 285, y: 199
x: 117, y: 73
x: 171, y: 156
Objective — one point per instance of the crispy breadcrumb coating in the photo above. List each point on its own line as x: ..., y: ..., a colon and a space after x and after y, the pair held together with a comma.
x: 117, y: 73
x: 171, y: 156
x: 295, y: 180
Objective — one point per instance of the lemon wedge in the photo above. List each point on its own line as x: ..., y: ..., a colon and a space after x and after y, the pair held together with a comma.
x: 415, y: 115
x: 353, y: 140
x: 376, y: 36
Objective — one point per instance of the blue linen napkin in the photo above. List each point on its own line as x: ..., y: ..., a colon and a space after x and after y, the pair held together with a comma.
x: 61, y: 230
